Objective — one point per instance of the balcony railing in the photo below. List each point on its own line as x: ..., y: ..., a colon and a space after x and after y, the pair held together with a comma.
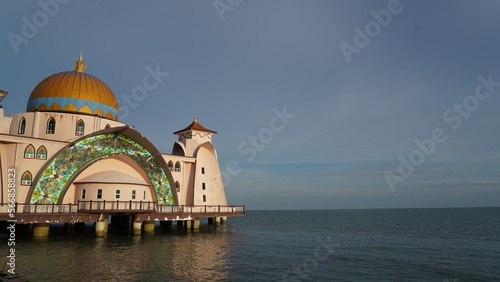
x: 116, y: 206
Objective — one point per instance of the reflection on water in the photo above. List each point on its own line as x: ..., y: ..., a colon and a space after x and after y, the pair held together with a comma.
x: 167, y: 255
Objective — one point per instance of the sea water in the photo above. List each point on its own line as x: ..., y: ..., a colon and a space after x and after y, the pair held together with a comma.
x: 460, y: 244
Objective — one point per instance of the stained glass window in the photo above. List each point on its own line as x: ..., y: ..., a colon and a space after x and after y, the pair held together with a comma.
x: 41, y: 153
x: 26, y: 178
x: 29, y: 153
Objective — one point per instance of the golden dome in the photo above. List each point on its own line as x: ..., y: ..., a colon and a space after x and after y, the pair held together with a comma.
x: 75, y: 92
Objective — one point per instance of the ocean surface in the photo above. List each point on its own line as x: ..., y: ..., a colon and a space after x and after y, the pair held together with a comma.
x: 461, y: 244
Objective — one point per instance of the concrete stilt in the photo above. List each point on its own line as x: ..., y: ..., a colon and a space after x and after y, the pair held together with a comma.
x: 41, y: 230
x: 137, y: 228
x: 148, y: 226
x: 223, y: 220
x: 196, y: 223
x: 217, y: 221
x: 189, y: 224
x: 106, y: 225
x: 101, y: 228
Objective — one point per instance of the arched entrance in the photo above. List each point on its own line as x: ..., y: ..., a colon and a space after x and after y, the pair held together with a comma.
x: 53, y: 180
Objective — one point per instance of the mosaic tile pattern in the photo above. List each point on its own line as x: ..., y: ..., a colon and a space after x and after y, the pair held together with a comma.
x: 64, y: 167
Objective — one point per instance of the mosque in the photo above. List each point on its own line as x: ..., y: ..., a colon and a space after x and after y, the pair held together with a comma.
x: 69, y: 159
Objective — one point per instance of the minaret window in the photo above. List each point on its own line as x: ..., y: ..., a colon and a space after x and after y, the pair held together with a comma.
x: 29, y: 152
x: 202, y: 170
x: 80, y: 127
x: 22, y: 126
x: 51, y: 126
x: 26, y: 178
x: 203, y: 186
x: 177, y: 186
x: 177, y: 167
x: 41, y: 153
x: 204, y: 198
x: 171, y: 166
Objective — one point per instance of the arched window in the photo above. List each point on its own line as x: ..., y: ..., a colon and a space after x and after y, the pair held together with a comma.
x: 26, y: 178
x: 177, y: 167
x: 177, y: 186
x: 80, y: 127
x: 22, y: 126
x: 29, y: 152
x: 51, y: 126
x: 41, y: 153
x: 107, y: 126
x: 171, y: 165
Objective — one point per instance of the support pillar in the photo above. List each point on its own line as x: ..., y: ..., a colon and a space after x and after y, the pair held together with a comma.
x: 41, y: 230
x: 217, y: 221
x: 137, y: 227
x: 196, y: 223
x: 223, y: 220
x: 189, y: 224
x: 101, y: 228
x: 148, y: 226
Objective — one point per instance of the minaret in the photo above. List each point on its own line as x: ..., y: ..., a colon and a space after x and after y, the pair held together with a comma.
x: 194, y: 135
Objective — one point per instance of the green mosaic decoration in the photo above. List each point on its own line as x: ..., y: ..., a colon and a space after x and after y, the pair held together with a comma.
x: 64, y: 166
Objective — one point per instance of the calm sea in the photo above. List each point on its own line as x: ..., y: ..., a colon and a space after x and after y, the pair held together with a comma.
x: 320, y: 245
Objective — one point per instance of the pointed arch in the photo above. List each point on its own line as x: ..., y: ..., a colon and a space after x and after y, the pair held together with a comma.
x: 26, y: 178
x: 53, y: 180
x: 170, y: 165
x: 80, y: 128
x: 107, y: 126
x: 51, y: 126
x: 178, y: 149
x: 29, y: 152
x: 177, y: 186
x: 41, y: 153
x: 177, y: 166
x: 22, y: 126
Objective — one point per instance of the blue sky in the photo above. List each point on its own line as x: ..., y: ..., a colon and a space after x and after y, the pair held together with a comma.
x: 333, y: 128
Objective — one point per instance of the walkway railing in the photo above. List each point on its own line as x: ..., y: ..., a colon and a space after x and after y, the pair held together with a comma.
x: 111, y: 206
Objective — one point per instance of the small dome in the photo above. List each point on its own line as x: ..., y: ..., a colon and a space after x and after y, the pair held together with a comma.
x: 74, y: 92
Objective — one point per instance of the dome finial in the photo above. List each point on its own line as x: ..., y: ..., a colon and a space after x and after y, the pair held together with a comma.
x: 80, y: 65
x: 195, y: 120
